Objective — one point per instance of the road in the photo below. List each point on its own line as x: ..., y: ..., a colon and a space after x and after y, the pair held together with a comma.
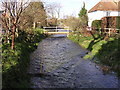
x: 63, y: 66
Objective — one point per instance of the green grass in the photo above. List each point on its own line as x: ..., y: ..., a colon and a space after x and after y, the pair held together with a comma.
x: 109, y: 54
x: 83, y: 41
x: 95, y: 49
x: 106, y: 52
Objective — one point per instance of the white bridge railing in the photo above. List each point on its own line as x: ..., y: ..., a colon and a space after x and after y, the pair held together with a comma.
x: 56, y: 30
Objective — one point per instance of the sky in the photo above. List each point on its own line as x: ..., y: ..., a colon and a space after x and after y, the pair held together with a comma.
x: 72, y: 7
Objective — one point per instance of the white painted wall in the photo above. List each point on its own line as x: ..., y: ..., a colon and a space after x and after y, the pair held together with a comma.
x: 97, y: 15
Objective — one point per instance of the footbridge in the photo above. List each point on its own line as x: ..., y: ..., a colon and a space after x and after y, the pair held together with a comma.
x: 56, y: 30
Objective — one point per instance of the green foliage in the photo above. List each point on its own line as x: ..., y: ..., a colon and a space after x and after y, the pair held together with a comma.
x: 34, y: 13
x: 83, y: 11
x: 84, y: 41
x: 95, y: 49
x: 14, y: 67
x: 83, y: 16
x: 96, y: 24
x: 15, y: 62
x: 109, y: 54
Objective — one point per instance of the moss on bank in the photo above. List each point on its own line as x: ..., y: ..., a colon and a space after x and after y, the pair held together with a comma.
x: 106, y: 52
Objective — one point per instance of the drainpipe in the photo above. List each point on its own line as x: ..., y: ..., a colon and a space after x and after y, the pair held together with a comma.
x: 107, y: 13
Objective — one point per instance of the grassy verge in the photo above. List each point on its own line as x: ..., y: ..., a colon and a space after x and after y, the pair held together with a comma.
x: 106, y: 52
x: 15, y: 62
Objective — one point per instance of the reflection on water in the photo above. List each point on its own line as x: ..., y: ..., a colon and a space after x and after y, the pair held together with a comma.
x: 59, y: 35
x: 57, y: 30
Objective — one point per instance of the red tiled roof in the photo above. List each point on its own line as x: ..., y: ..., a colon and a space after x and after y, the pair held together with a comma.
x: 105, y: 5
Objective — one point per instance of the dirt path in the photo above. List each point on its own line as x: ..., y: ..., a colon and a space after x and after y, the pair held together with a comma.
x: 64, y: 67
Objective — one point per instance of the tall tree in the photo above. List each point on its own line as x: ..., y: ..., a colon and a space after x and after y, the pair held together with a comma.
x: 53, y: 11
x: 35, y: 13
x: 83, y: 16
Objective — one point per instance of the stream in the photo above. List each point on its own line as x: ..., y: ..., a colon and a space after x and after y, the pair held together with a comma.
x: 58, y: 63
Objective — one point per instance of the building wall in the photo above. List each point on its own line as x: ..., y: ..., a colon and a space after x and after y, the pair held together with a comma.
x: 0, y: 30
x: 98, y: 15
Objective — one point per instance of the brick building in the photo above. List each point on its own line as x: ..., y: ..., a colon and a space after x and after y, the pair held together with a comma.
x: 104, y: 8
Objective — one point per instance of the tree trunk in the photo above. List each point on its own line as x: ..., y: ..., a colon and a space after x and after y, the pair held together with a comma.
x: 34, y: 25
x: 13, y: 37
x: 7, y: 36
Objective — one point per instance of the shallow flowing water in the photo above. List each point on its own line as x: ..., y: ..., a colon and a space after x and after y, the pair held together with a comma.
x: 61, y: 62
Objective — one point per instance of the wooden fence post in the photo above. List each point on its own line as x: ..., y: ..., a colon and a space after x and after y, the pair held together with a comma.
x: 109, y: 32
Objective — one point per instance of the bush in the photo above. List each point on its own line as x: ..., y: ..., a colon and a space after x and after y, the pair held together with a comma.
x: 109, y: 55
x: 118, y: 22
x: 14, y: 66
x: 15, y: 62
x: 96, y: 24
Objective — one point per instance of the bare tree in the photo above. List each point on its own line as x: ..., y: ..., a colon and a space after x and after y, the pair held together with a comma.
x: 50, y: 11
x: 54, y: 10
x: 58, y: 9
x: 13, y: 10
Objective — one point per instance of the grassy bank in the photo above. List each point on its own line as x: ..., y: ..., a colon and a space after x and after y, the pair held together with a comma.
x: 105, y: 52
x: 15, y: 62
